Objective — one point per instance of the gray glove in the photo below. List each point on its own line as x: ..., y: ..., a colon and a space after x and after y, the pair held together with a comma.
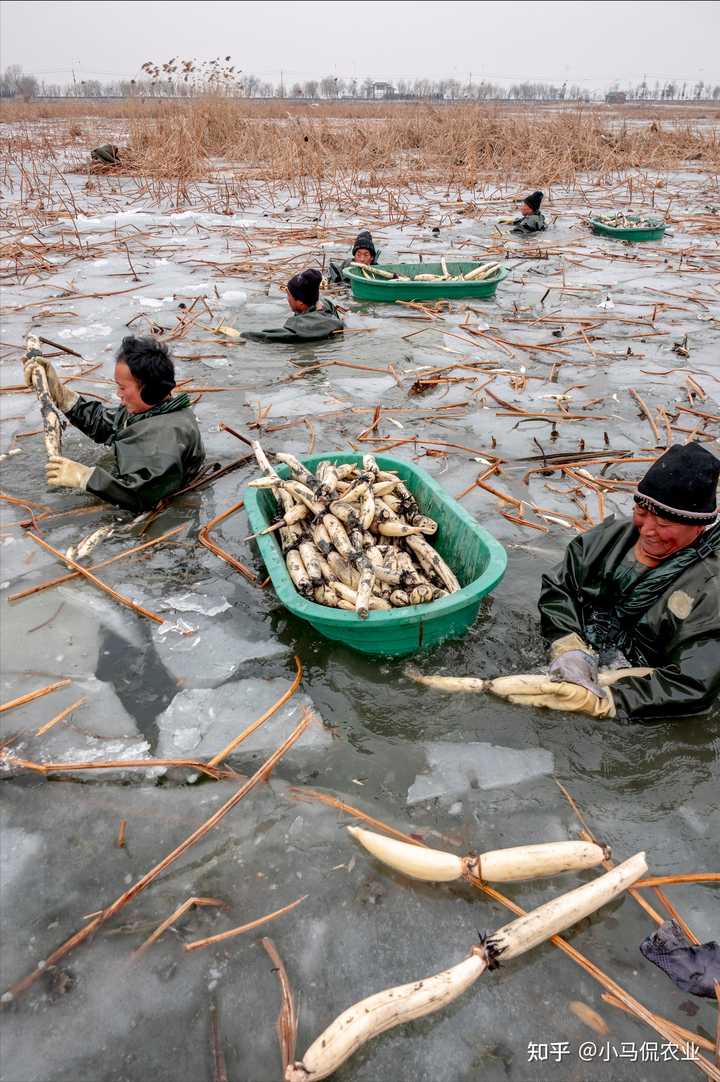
x: 574, y: 662
x: 577, y: 667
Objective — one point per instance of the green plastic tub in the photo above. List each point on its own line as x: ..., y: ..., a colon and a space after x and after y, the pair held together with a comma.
x: 652, y: 232
x: 475, y: 556
x: 390, y: 290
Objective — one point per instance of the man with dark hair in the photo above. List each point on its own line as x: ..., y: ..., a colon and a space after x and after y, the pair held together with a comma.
x: 313, y: 319
x: 644, y: 591
x: 363, y: 251
x: 155, y: 440
x: 531, y: 219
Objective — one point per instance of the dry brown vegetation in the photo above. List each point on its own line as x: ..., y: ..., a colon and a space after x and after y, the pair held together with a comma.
x: 349, y: 147
x: 462, y: 141
x: 282, y: 141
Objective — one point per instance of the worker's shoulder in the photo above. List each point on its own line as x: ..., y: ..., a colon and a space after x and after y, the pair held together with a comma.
x: 606, y: 532
x: 694, y: 598
x: 153, y: 424
x: 706, y: 575
x: 327, y: 307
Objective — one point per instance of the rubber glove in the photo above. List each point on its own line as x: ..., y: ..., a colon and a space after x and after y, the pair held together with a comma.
x: 64, y: 473
x: 574, y: 662
x: 62, y: 396
x: 554, y: 695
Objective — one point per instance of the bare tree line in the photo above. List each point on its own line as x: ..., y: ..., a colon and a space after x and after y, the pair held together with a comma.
x: 188, y: 78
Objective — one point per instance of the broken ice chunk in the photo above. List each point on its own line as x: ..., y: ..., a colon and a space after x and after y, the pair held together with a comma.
x: 455, y: 768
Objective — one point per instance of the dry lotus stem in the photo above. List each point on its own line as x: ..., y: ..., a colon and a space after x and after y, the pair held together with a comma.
x: 395, y: 1006
x: 496, y: 866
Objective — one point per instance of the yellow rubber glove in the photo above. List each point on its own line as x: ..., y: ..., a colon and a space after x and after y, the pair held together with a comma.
x: 64, y: 473
x: 554, y: 695
x: 62, y: 396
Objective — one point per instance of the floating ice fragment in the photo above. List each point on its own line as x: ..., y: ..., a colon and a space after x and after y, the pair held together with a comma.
x: 94, y: 330
x: 455, y: 768
x: 181, y: 627
x: 607, y: 303
x: 234, y: 298
x: 192, y: 602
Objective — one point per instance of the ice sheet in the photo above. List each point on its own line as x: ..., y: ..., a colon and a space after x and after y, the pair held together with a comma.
x: 201, y: 722
x: 455, y: 768
x: 213, y: 652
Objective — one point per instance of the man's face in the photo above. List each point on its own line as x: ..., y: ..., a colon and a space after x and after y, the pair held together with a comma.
x: 362, y: 255
x: 526, y: 210
x: 128, y: 389
x: 660, y: 537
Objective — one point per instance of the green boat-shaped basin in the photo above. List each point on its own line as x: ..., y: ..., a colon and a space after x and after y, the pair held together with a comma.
x: 653, y: 231
x: 389, y: 290
x: 478, y: 560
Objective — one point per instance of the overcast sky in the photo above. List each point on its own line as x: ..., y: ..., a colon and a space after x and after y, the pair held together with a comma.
x: 589, y: 43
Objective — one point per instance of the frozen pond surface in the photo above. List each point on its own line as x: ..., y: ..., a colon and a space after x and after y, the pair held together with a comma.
x: 461, y: 772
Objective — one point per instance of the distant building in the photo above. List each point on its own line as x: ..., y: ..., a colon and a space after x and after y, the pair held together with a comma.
x: 616, y: 97
x: 383, y: 90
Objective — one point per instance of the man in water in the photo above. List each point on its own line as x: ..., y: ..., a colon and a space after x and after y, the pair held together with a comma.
x: 153, y: 435
x: 313, y: 318
x: 641, y: 591
x: 531, y: 219
x: 363, y: 251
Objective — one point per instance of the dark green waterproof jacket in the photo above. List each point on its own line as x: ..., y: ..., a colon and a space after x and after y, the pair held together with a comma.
x: 155, y: 453
x: 317, y: 323
x: 678, y: 634
x: 533, y: 223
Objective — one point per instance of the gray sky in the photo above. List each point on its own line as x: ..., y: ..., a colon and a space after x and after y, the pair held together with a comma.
x: 590, y: 43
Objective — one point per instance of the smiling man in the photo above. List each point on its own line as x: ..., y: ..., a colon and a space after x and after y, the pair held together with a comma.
x: 643, y: 591
x: 154, y: 438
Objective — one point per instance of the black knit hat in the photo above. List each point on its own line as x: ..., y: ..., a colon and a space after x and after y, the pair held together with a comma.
x: 305, y: 286
x: 682, y: 485
x: 534, y: 201
x: 364, y: 240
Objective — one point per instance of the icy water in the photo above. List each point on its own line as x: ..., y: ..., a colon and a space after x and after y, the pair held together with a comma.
x: 462, y: 772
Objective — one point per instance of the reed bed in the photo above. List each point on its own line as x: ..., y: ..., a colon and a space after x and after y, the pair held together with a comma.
x: 456, y: 143
x: 365, y: 143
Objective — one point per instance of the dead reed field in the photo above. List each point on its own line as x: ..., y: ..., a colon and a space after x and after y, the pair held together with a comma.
x: 459, y: 143
x: 405, y: 144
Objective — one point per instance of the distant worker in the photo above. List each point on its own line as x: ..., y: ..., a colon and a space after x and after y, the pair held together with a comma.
x: 363, y: 251
x: 643, y: 591
x: 154, y: 436
x: 105, y: 156
x: 313, y: 318
x: 531, y: 219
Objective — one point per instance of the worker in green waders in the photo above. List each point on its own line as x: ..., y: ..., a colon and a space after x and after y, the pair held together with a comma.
x: 153, y: 438
x: 313, y: 318
x: 641, y: 591
x: 363, y: 252
x: 532, y: 219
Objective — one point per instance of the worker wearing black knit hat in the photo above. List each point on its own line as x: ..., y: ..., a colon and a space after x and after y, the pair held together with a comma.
x: 313, y: 318
x: 305, y: 288
x: 531, y: 219
x: 682, y: 486
x: 644, y: 590
x: 363, y: 251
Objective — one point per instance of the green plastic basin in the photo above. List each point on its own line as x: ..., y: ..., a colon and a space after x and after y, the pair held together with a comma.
x: 478, y: 560
x: 651, y: 232
x: 390, y: 290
